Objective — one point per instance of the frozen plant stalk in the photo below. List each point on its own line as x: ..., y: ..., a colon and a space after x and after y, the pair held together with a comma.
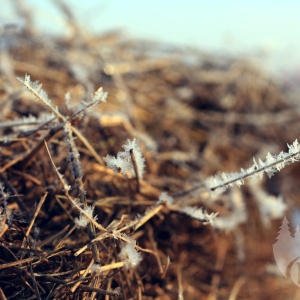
x: 272, y: 164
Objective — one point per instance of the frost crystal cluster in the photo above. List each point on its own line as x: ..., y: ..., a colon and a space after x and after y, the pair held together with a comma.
x: 130, y: 255
x: 126, y: 161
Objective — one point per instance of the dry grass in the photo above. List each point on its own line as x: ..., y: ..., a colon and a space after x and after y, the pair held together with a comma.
x: 194, y: 115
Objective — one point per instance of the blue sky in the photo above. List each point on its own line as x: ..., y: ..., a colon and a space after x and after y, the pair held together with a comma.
x: 234, y: 26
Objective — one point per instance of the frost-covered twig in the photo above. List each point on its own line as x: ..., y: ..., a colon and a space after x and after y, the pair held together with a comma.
x: 35, y: 88
x: 272, y: 164
x: 84, y: 218
x: 26, y: 123
x: 194, y: 212
x: 99, y: 96
x: 200, y: 214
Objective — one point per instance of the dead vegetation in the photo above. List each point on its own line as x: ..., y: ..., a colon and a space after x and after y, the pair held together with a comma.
x: 193, y: 114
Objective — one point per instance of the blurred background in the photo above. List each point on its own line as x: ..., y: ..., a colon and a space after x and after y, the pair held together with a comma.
x: 268, y: 30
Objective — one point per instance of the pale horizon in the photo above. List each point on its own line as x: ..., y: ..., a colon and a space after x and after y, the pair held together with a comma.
x: 270, y: 28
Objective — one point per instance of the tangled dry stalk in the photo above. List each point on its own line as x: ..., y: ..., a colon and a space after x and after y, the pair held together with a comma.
x: 194, y: 115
